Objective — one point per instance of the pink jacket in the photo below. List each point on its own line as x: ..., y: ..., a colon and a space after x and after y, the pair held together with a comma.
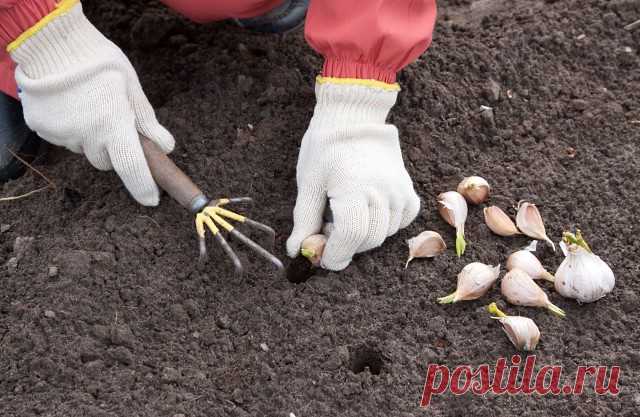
x: 368, y: 39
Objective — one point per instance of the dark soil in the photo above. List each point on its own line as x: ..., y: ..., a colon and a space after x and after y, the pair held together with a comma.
x: 130, y: 325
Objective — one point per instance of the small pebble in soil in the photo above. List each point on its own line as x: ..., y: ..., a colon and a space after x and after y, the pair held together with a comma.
x: 21, y: 245
x: 170, y: 375
x: 12, y: 265
x: 264, y: 347
x: 53, y: 271
x: 50, y: 314
x: 491, y: 91
x: 4, y: 228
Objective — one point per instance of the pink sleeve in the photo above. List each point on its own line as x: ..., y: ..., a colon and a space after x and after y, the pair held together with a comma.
x: 16, y: 16
x: 370, y: 39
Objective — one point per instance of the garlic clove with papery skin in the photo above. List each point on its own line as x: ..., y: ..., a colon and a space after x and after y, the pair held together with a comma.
x: 582, y: 275
x: 529, y: 221
x: 499, y: 223
x: 520, y: 289
x: 474, y: 281
x: 474, y: 189
x: 527, y: 261
x: 313, y: 247
x: 426, y: 245
x: 521, y: 331
x: 453, y: 208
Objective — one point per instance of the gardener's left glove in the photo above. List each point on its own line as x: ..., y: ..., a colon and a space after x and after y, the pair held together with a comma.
x: 350, y: 156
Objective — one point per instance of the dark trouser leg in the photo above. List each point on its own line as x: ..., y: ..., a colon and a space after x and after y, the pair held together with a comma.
x: 14, y: 136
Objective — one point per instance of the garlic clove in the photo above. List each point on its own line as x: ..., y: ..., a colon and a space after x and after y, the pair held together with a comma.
x: 313, y: 247
x: 520, y: 289
x: 499, y: 223
x: 529, y: 221
x: 426, y: 245
x: 474, y: 189
x: 582, y: 275
x: 474, y: 281
x: 521, y: 331
x: 453, y: 208
x: 528, y: 262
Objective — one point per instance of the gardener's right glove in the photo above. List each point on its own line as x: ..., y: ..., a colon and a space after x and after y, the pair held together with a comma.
x: 80, y: 91
x: 351, y: 157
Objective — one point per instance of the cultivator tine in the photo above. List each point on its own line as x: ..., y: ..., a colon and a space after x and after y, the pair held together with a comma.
x: 257, y: 248
x: 214, y: 215
x: 230, y: 253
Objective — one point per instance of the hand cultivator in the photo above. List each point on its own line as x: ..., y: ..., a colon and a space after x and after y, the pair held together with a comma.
x: 210, y: 214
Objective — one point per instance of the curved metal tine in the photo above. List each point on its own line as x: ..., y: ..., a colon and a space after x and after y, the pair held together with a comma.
x: 230, y: 253
x: 263, y: 227
x: 203, y: 250
x: 240, y: 200
x: 259, y: 249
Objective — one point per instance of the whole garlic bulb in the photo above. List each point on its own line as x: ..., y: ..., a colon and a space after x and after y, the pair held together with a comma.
x: 582, y: 275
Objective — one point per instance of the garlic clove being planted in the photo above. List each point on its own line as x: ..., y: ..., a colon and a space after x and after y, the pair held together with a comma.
x: 453, y: 209
x: 520, y: 289
x: 529, y: 221
x: 499, y: 223
x: 475, y: 189
x: 313, y: 247
x: 426, y: 245
x: 527, y: 261
x: 521, y: 331
x: 582, y: 275
x: 474, y: 281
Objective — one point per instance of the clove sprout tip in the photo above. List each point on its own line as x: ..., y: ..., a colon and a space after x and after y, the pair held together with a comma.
x: 556, y: 310
x: 449, y: 299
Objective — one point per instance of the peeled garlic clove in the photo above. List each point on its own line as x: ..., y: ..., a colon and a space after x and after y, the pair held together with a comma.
x: 426, y: 245
x: 521, y: 331
x: 530, y: 223
x: 583, y: 275
x: 474, y: 281
x: 475, y: 189
x: 499, y: 223
x: 527, y: 261
x: 453, y: 209
x: 520, y: 289
x: 313, y: 247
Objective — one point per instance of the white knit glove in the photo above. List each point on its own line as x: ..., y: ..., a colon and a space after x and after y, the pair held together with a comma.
x: 79, y: 90
x: 350, y: 156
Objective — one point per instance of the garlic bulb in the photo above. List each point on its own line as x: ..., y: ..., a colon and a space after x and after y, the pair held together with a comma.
x: 530, y: 223
x: 475, y: 189
x: 474, y: 281
x: 426, y: 245
x: 582, y: 275
x: 521, y: 331
x: 520, y: 289
x: 499, y: 223
x: 313, y: 247
x: 453, y: 209
x: 527, y: 261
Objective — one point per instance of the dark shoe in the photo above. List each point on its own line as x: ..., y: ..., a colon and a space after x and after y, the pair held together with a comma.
x: 284, y: 18
x: 14, y: 135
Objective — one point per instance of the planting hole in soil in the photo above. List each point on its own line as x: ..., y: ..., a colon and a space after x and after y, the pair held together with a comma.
x: 366, y: 357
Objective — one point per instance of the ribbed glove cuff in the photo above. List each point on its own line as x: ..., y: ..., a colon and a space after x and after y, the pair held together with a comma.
x: 345, y: 102
x: 65, y: 41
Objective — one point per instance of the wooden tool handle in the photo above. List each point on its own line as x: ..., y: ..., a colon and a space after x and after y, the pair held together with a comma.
x: 171, y: 178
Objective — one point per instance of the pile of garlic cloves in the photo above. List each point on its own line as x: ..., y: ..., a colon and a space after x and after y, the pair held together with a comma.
x: 582, y: 275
